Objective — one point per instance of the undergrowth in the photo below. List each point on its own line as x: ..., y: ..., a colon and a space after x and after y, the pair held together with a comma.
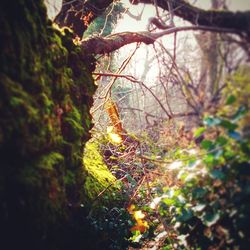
x: 194, y: 197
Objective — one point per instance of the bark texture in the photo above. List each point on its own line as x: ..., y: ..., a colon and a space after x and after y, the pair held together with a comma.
x: 46, y: 91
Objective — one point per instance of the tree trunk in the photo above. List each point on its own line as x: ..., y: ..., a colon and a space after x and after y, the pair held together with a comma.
x: 46, y: 92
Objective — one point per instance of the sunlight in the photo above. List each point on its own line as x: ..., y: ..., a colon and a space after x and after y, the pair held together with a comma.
x: 113, y: 137
x: 175, y: 165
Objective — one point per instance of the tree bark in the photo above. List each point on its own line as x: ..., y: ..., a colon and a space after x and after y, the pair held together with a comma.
x: 100, y: 45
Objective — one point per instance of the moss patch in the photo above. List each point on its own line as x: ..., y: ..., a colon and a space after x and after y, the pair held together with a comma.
x: 100, y: 184
x: 46, y: 91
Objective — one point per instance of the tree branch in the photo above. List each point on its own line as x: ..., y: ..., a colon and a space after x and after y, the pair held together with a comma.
x: 238, y: 21
x: 99, y: 45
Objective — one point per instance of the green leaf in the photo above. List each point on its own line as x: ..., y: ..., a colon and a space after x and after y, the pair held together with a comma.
x: 210, y: 219
x: 231, y: 99
x: 199, y: 207
x: 199, y: 193
x: 212, y: 121
x: 168, y: 202
x: 185, y: 215
x: 206, y: 144
x: 210, y: 159
x: 221, y: 141
x: 245, y: 147
x: 228, y: 125
x: 131, y: 180
x: 217, y: 174
x: 239, y: 113
x: 218, y: 153
x: 198, y: 132
x: 234, y: 135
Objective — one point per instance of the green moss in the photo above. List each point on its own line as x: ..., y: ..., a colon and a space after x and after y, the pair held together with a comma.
x: 48, y: 162
x: 98, y: 178
x: 46, y: 91
x: 72, y: 122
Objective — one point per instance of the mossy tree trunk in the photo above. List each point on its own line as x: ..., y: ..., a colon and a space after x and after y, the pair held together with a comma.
x: 46, y: 92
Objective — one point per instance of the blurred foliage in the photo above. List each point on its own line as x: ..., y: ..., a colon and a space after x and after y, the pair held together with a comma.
x: 238, y: 87
x: 210, y: 208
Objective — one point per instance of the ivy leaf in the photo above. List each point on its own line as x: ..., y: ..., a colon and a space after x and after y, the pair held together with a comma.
x: 199, y: 207
x: 199, y: 193
x: 221, y: 141
x: 168, y: 202
x: 211, y: 121
x: 185, y: 215
x: 239, y: 113
x: 231, y: 99
x: 217, y: 174
x: 228, y: 125
x: 206, y: 144
x: 234, y: 135
x: 209, y: 159
x: 210, y: 219
x: 198, y: 132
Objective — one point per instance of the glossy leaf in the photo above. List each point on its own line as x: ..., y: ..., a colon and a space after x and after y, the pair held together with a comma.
x: 217, y: 174
x: 231, y: 99
x: 168, y: 202
x: 206, y: 144
x: 210, y: 219
x: 221, y: 141
x: 228, y: 125
x: 199, y: 132
x: 185, y: 215
x: 199, y: 193
x: 199, y: 207
x: 212, y: 121
x: 234, y: 135
x: 239, y: 113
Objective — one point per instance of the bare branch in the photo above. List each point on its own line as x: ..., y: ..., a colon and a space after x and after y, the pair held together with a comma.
x: 138, y: 17
x: 100, y: 45
x: 213, y: 18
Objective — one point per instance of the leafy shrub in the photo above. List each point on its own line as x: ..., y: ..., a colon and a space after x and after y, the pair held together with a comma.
x: 211, y: 208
